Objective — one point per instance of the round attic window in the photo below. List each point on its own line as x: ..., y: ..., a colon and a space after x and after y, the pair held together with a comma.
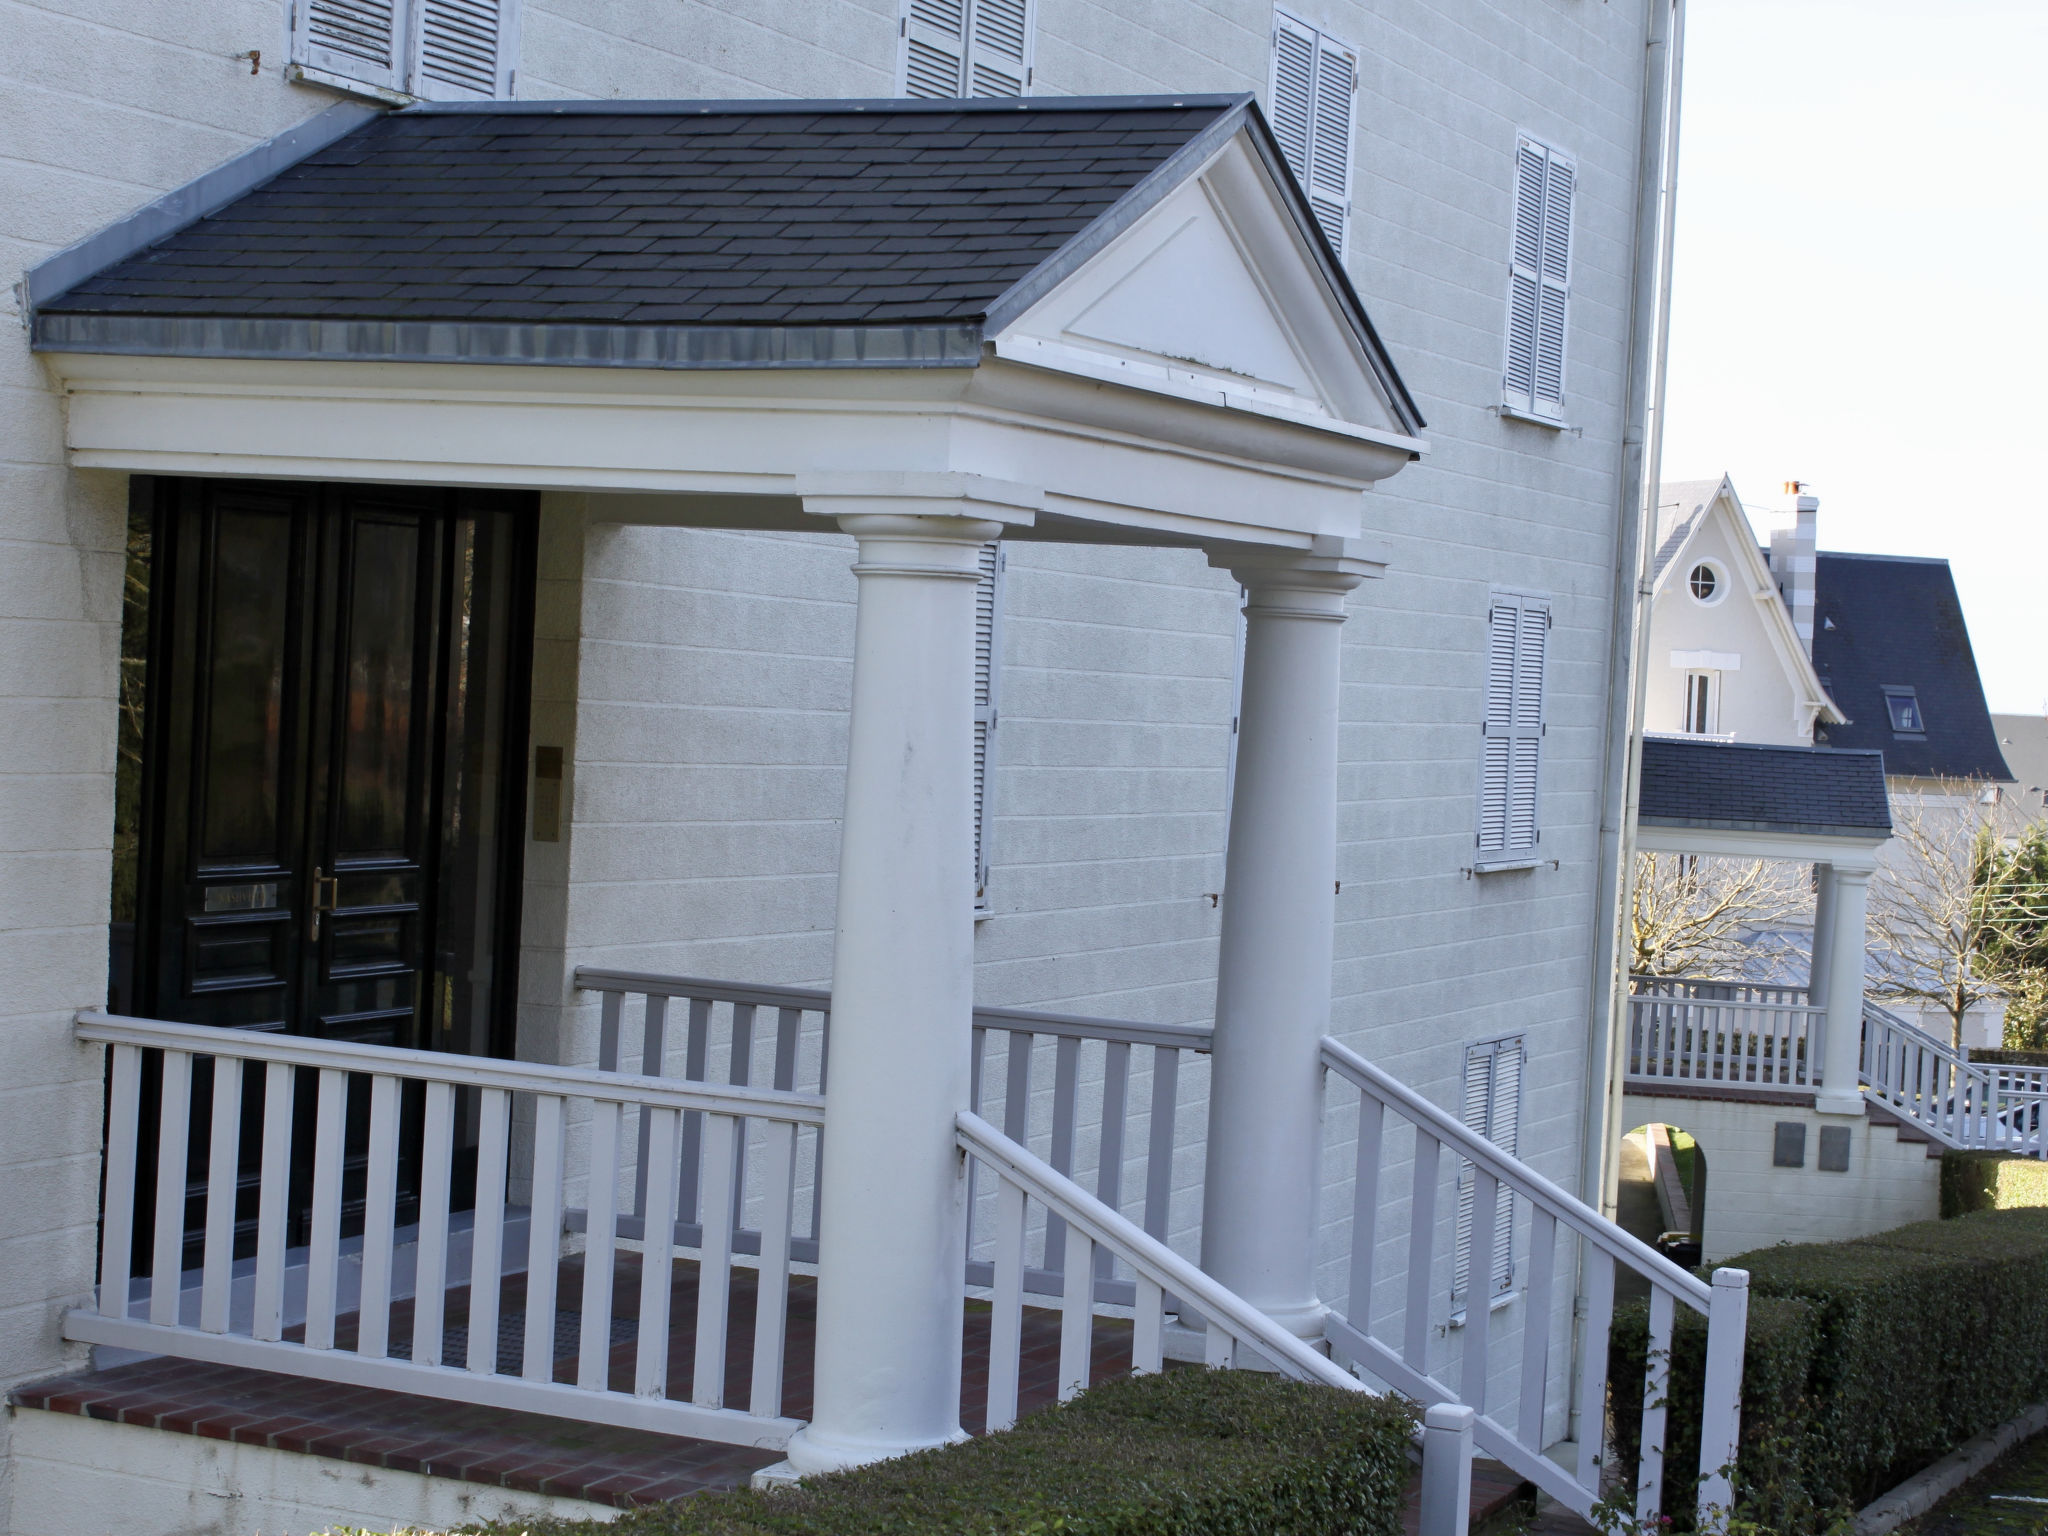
x: 1705, y: 583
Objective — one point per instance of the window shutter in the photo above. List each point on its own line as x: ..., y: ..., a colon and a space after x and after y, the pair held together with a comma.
x: 998, y: 47
x: 988, y: 609
x: 1314, y: 80
x: 1511, y: 747
x: 462, y: 50
x: 1493, y: 1109
x: 1539, y: 280
x: 358, y: 40
x: 1478, y: 1097
x: 934, y: 48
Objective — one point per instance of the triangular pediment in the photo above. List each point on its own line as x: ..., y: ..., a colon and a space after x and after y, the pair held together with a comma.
x: 1215, y: 292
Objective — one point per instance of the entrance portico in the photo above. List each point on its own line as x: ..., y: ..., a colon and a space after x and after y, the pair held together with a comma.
x: 1161, y: 351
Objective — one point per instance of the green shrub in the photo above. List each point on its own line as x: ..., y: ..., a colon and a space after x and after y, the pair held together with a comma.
x: 1919, y: 1339
x: 1991, y: 1181
x: 1185, y: 1453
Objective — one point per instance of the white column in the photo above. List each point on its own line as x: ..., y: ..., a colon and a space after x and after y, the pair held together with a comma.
x: 1279, y: 906
x: 1823, y: 934
x: 892, y: 1213
x: 1840, y: 1093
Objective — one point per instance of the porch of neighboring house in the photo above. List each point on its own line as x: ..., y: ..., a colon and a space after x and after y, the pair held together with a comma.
x: 761, y: 1223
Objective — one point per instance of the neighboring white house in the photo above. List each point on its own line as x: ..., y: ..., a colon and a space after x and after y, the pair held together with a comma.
x: 428, y: 631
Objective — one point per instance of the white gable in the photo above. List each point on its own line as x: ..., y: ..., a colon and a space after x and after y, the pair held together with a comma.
x: 1212, y: 294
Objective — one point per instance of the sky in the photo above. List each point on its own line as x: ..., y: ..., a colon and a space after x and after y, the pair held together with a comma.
x: 1860, y: 289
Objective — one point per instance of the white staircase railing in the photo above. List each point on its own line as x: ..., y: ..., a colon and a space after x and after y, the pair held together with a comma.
x: 1724, y: 1032
x: 1407, y: 1366
x: 287, y: 1100
x: 1964, y: 1104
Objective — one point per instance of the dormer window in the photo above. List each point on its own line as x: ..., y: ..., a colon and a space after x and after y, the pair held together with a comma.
x: 1705, y: 583
x: 1904, y: 707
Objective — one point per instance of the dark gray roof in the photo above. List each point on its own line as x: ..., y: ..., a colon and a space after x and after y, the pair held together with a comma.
x: 1896, y: 621
x: 667, y: 233
x: 1754, y: 787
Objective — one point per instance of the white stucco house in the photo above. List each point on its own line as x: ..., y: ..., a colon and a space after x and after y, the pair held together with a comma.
x: 665, y: 665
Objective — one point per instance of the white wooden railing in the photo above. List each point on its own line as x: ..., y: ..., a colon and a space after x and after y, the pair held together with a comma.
x: 1028, y: 1070
x: 254, y: 1082
x: 1520, y: 1441
x: 1977, y: 1105
x: 1727, y: 1032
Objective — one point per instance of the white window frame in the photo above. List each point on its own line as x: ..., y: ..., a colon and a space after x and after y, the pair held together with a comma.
x: 988, y: 684
x: 1313, y: 83
x: 1695, y: 680
x: 405, y: 76
x: 987, y: 44
x: 1537, y: 334
x: 1513, y: 724
x: 1491, y: 1106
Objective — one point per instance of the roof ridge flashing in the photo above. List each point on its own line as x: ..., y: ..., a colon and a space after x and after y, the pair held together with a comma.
x: 813, y: 106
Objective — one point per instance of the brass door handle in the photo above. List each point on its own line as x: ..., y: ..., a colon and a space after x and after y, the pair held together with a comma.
x: 326, y: 896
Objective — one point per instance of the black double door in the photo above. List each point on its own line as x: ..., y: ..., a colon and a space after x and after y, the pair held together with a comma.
x: 332, y: 790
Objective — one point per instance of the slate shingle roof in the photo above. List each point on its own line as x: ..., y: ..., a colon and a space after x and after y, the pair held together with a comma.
x: 662, y: 214
x: 1754, y: 787
x: 1894, y: 619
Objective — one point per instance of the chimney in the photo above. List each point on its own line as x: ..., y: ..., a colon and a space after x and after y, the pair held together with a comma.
x: 1792, y: 559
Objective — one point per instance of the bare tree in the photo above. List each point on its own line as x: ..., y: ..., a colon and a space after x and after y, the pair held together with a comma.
x: 1931, y: 910
x: 1698, y: 916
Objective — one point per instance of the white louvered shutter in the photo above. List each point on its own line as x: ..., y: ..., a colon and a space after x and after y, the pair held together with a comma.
x: 1315, y: 78
x: 462, y: 50
x: 934, y: 48
x: 359, y: 40
x: 988, y: 613
x: 1539, y: 281
x: 1492, y: 1108
x: 1511, y: 747
x: 998, y: 47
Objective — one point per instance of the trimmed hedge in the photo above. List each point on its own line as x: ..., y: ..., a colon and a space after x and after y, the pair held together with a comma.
x: 1913, y: 1341
x: 1185, y: 1453
x: 1991, y: 1181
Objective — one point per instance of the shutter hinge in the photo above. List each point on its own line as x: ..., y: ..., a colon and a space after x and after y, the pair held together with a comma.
x: 903, y: 27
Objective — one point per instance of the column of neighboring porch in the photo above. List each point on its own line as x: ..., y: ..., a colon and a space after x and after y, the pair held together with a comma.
x: 892, y: 1213
x: 1279, y: 909
x: 1849, y: 887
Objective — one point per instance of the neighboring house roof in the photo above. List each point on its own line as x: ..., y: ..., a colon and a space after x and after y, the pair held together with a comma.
x: 1684, y: 507
x: 676, y: 234
x: 1889, y: 622
x: 1756, y: 787
x: 2023, y: 743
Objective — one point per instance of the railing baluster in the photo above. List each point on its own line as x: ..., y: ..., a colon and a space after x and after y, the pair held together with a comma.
x: 1148, y: 1329
x: 1066, y: 1089
x: 1656, y: 1387
x: 1077, y: 1318
x: 653, y: 1063
x: 714, y: 1271
x: 273, y: 1201
x: 1365, y: 1208
x: 223, y: 1167
x: 487, y: 1251
x: 544, y: 1234
x: 1219, y: 1345
x: 696, y: 1057
x: 1592, y: 1394
x: 661, y: 1143
x: 600, y: 1248
x: 1536, y: 1324
x: 741, y: 1073
x: 430, y: 1267
x: 117, y: 1224
x: 788, y: 1027
x: 771, y: 1295
x: 380, y: 1219
x: 168, y: 1230
x: 323, y: 1240
x: 609, y: 1011
x: 1109, y: 1157
x: 1479, y: 1286
x: 1159, y: 1145
x: 1421, y: 1252
x: 1006, y: 1315
x: 1017, y: 1091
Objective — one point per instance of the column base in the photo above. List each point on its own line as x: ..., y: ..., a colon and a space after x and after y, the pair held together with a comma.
x: 1837, y: 1103
x: 811, y: 1452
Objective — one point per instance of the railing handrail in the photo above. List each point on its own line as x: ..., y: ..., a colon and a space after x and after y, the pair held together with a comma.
x: 1029, y: 1020
x: 1151, y: 1258
x: 1517, y: 1176
x: 446, y: 1067
x: 1668, y: 1000
x: 1714, y: 981
x: 1917, y: 1035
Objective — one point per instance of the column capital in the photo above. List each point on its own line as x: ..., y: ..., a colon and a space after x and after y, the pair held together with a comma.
x: 1304, y: 583
x: 941, y: 494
